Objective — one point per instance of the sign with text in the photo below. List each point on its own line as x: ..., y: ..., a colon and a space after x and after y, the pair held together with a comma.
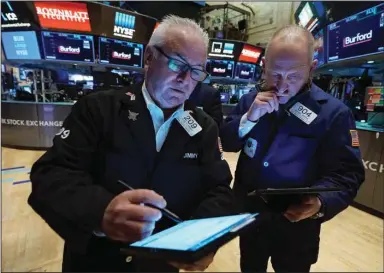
x: 63, y: 15
x: 358, y: 35
x: 223, y: 49
x: 121, y: 24
x: 250, y: 54
x: 16, y: 15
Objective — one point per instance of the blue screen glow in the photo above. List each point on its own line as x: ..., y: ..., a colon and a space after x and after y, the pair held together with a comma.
x: 20, y: 45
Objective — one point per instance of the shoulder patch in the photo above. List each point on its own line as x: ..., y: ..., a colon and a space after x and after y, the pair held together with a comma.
x: 355, y: 138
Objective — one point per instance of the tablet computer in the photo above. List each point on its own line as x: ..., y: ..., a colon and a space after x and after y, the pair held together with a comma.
x: 191, y: 240
x: 294, y: 191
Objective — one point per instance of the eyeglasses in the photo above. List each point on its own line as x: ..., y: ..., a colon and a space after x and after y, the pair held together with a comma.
x: 182, y: 67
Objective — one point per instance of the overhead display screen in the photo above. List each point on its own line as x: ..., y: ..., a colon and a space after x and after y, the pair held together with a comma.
x: 223, y: 49
x: 63, y: 15
x: 16, y: 15
x: 357, y: 35
x: 122, y: 25
x: 319, y: 53
x: 220, y: 68
x: 245, y: 71
x: 20, y: 45
x: 68, y: 47
x: 120, y: 52
x: 250, y: 54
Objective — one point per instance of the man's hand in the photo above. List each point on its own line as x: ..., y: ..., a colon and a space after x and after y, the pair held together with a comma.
x: 125, y: 219
x: 265, y: 102
x: 200, y: 265
x: 309, y: 207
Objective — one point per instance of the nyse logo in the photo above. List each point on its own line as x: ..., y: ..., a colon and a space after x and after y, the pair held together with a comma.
x: 358, y: 39
x: 69, y: 50
x: 121, y: 55
x: 373, y: 166
x: 10, y: 16
x: 124, y: 25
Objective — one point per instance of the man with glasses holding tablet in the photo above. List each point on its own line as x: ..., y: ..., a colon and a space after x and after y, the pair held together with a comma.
x: 291, y: 135
x: 122, y: 156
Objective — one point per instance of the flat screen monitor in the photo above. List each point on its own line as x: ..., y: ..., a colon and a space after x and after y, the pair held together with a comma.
x: 374, y: 98
x: 20, y: 45
x: 121, y: 53
x: 250, y: 54
x: 305, y: 15
x: 319, y: 53
x: 63, y: 15
x: 122, y: 24
x: 68, y: 47
x: 358, y: 35
x: 220, y: 68
x: 245, y: 71
x: 224, y: 49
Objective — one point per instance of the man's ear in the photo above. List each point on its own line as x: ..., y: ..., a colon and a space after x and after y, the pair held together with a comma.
x: 148, y: 57
x: 313, y: 67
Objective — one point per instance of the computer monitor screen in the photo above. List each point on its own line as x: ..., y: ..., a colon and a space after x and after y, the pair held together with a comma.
x: 68, y: 47
x: 374, y: 97
x: 220, y: 68
x: 319, y: 53
x: 224, y: 49
x: 20, y: 45
x: 358, y: 35
x: 122, y: 53
x: 245, y: 71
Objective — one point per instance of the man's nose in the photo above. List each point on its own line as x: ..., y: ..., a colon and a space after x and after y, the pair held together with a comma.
x: 282, y: 85
x: 183, y: 76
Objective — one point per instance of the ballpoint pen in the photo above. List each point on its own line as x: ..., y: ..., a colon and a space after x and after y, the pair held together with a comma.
x: 164, y: 211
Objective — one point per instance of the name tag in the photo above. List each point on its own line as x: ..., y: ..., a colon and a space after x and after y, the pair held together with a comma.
x: 303, y: 113
x: 189, y: 123
x: 250, y: 147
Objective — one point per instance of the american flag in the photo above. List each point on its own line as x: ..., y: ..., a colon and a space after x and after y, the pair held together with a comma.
x: 355, y: 138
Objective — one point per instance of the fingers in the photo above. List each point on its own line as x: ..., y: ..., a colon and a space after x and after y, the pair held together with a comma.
x: 271, y: 99
x: 146, y: 196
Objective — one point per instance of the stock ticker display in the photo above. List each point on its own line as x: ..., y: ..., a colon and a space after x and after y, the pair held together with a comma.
x: 119, y: 52
x: 68, y: 47
x: 357, y: 35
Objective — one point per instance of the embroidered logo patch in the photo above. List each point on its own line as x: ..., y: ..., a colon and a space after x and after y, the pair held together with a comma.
x: 355, y: 138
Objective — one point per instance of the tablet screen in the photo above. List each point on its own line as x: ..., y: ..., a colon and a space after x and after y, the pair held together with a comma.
x: 194, y: 234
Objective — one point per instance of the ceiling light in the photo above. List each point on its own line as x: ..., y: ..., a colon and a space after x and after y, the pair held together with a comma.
x: 370, y: 62
x: 330, y: 69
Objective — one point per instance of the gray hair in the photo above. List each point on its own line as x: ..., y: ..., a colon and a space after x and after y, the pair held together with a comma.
x: 159, y: 36
x: 291, y: 33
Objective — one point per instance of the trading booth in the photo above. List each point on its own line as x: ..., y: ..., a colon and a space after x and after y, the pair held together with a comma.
x: 55, y: 53
x: 351, y: 68
x: 234, y: 67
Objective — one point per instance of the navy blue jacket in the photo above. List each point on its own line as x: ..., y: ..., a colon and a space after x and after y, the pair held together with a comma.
x: 294, y: 154
x: 208, y: 98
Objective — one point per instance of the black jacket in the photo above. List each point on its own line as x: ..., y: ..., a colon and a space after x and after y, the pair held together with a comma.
x: 208, y: 98
x: 74, y: 181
